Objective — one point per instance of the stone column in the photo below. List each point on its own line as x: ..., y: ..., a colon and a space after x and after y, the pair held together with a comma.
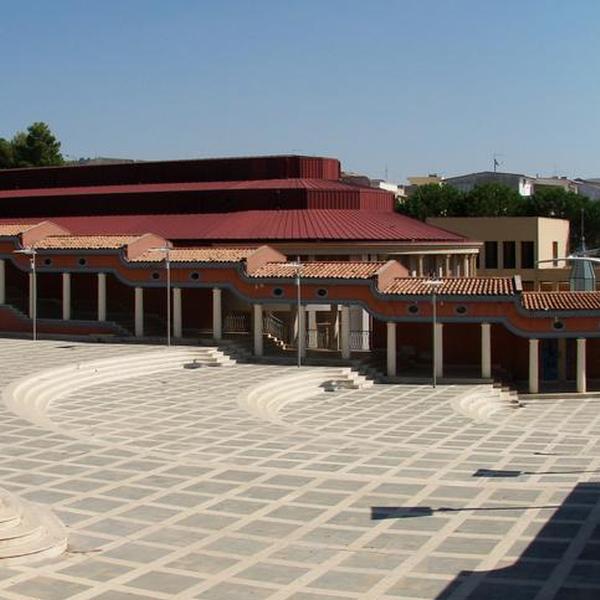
x: 448, y: 272
x: 139, y: 312
x: 313, y: 334
x: 31, y: 294
x: 486, y: 351
x: 465, y: 261
x: 473, y: 270
x: 420, y: 267
x: 177, y: 313
x: 101, y: 296
x: 66, y: 296
x: 534, y: 383
x: 457, y: 263
x: 217, y: 318
x: 438, y: 350
x: 391, y: 349
x: 345, y: 332
x: 334, y: 327
x: 581, y: 375
x: 2, y: 282
x: 562, y: 359
x: 302, y: 330
x: 258, y: 330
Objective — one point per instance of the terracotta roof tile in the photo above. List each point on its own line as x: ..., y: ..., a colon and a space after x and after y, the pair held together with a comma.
x: 84, y: 242
x: 209, y: 254
x: 12, y: 229
x: 321, y: 270
x: 455, y: 286
x: 561, y: 300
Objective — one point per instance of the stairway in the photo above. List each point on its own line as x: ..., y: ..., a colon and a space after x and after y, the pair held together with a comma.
x: 31, y: 396
x: 486, y: 402
x: 266, y: 399
x: 28, y: 532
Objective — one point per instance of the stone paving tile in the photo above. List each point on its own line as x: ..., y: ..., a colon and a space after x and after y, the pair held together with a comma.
x: 172, y: 490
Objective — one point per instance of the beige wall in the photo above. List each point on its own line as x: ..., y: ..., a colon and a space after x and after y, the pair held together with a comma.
x: 542, y: 231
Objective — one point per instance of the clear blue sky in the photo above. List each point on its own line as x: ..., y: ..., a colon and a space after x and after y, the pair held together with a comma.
x: 417, y: 85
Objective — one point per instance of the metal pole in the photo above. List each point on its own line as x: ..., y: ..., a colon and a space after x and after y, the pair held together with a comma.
x: 299, y: 311
x: 168, y: 267
x: 34, y: 296
x: 434, y: 353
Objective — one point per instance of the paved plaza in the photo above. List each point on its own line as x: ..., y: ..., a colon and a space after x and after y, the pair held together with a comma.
x: 172, y: 488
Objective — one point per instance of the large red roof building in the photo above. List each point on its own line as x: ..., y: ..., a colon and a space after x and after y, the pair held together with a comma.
x: 99, y: 233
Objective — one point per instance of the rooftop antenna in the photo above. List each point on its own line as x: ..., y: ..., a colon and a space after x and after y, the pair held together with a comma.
x: 386, y: 172
x: 582, y: 224
x: 495, y: 162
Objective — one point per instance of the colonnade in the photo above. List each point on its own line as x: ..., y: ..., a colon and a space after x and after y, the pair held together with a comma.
x: 444, y: 265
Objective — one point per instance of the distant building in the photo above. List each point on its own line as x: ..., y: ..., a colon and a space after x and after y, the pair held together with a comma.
x: 564, y: 183
x: 514, y: 245
x: 589, y: 188
x: 516, y: 181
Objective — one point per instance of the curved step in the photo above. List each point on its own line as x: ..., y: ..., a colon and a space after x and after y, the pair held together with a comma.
x: 32, y: 532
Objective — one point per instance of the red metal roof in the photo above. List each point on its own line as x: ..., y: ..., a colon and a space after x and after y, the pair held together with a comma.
x: 263, y: 226
x: 196, y: 186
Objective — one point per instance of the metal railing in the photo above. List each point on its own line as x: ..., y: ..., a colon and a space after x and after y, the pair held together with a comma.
x: 275, y: 327
x: 236, y: 323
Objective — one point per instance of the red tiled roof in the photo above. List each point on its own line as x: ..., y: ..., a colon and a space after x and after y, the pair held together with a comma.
x: 321, y: 270
x: 87, y: 242
x: 266, y: 225
x: 197, y: 255
x: 196, y: 186
x: 453, y: 286
x: 12, y: 229
x: 561, y: 300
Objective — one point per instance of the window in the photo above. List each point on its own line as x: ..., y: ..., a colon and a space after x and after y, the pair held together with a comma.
x: 491, y: 255
x: 509, y: 252
x: 527, y: 255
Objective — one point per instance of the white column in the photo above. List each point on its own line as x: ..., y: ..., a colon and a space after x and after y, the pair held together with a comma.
x: 302, y: 331
x: 313, y: 336
x: 101, y: 296
x: 2, y: 282
x: 391, y: 349
x: 466, y: 272
x: 139, y: 312
x: 217, y: 319
x: 258, y: 330
x: 534, y: 384
x: 177, y: 322
x: 345, y: 332
x: 438, y: 351
x: 420, y: 267
x: 581, y: 375
x: 30, y: 295
x: 473, y: 265
x: 448, y: 272
x: 66, y: 296
x: 486, y: 351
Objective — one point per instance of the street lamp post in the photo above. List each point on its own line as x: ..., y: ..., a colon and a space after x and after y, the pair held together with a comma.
x: 166, y: 250
x: 31, y: 252
x: 298, y: 266
x: 434, y: 283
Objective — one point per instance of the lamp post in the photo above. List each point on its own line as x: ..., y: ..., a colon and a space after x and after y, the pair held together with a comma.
x: 31, y: 252
x: 434, y: 283
x: 298, y: 266
x: 166, y: 250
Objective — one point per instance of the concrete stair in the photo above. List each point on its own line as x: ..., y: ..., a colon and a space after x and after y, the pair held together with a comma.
x: 486, y: 403
x: 31, y: 396
x: 28, y: 532
x: 266, y: 400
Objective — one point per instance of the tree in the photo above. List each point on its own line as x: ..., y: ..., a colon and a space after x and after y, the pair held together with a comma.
x: 492, y: 200
x: 6, y: 154
x: 38, y: 147
x: 432, y: 200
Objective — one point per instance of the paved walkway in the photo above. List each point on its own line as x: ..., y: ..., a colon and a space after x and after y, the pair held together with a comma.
x: 171, y: 490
